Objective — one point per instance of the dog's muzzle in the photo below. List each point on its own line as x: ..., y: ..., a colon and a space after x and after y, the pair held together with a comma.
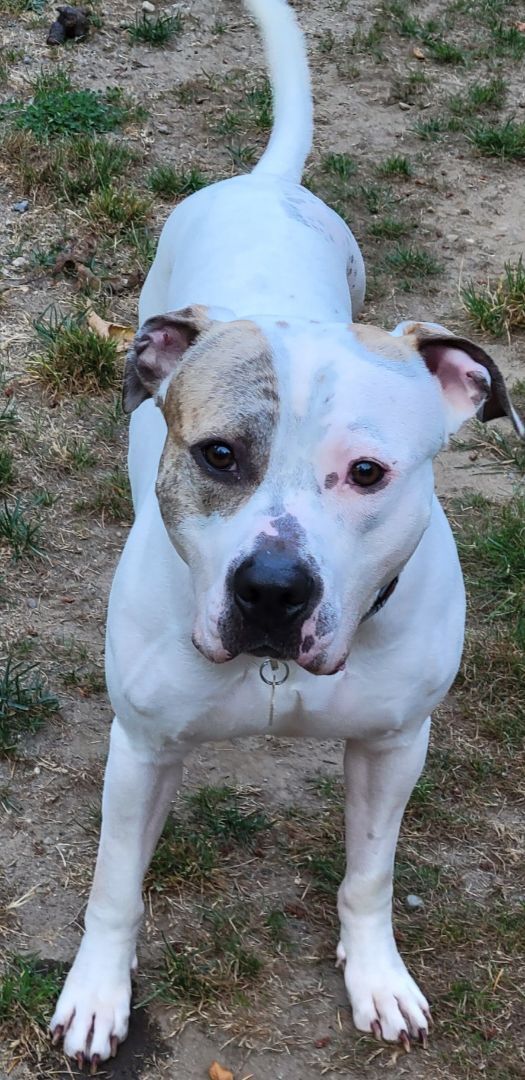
x: 273, y: 593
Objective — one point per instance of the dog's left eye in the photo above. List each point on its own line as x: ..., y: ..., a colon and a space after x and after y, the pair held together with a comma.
x: 366, y: 473
x: 219, y: 456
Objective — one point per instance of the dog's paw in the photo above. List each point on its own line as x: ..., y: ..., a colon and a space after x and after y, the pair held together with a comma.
x: 385, y: 999
x: 92, y: 1012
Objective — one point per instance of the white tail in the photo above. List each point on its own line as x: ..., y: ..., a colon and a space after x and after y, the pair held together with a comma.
x: 291, y: 136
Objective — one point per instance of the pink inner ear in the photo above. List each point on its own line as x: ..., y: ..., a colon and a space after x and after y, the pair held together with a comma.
x: 464, y: 382
x: 166, y: 339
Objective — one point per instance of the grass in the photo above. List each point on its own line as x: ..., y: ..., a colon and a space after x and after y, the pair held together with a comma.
x: 504, y: 140
x: 28, y: 991
x: 111, y: 498
x: 20, y: 534
x: 74, y: 359
x: 116, y: 209
x: 6, y: 469
x: 24, y: 704
x: 221, y: 967
x: 57, y: 109
x: 341, y: 166
x: 74, y: 455
x: 157, y: 31
x: 217, y: 820
x: 389, y: 228
x: 411, y: 264
x: 429, y: 130
x: 492, y: 549
x: 171, y: 183
x: 479, y: 97
x: 498, y: 307
x: 396, y: 165
x: 69, y: 168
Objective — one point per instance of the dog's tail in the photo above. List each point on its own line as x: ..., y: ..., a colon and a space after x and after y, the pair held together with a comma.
x: 291, y: 136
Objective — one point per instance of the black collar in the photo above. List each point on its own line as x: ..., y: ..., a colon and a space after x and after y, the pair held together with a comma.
x: 381, y: 598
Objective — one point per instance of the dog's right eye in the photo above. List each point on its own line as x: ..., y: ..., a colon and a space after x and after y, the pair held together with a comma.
x: 219, y: 457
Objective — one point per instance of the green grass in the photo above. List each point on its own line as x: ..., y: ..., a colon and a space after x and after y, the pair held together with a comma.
x: 429, y: 130
x: 115, y: 209
x: 157, y: 31
x: 192, y: 850
x: 480, y: 97
x: 27, y: 994
x: 74, y: 359
x: 69, y: 168
x: 508, y: 41
x: 498, y: 307
x: 74, y: 455
x: 258, y: 104
x: 20, y: 534
x: 57, y: 109
x: 492, y: 548
x: 377, y: 198
x: 389, y: 228
x: 445, y: 52
x: 24, y: 705
x: 341, y: 166
x: 396, y: 165
x: 6, y: 469
x: 411, y: 264
x: 110, y: 499
x: 171, y: 183
x: 505, y: 140
x: 9, y: 418
x: 221, y: 967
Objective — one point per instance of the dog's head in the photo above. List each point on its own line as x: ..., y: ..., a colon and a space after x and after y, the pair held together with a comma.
x: 296, y: 478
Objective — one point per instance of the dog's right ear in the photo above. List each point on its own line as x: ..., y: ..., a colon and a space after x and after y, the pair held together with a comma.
x: 156, y: 350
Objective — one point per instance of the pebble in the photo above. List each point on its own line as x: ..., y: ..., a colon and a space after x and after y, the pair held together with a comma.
x: 413, y: 902
x: 21, y: 206
x: 20, y: 262
x: 27, y: 60
x: 146, y: 6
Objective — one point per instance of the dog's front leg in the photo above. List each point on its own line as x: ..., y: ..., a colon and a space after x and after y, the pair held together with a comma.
x: 92, y: 1013
x: 379, y: 779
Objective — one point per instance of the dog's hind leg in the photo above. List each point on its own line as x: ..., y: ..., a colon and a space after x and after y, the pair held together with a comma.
x: 379, y: 779
x: 92, y: 1013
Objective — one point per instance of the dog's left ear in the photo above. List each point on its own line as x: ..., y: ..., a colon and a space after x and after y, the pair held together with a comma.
x: 471, y: 381
x: 156, y: 350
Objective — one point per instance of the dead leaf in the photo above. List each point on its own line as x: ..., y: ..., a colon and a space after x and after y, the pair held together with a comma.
x: 418, y: 53
x: 123, y: 335
x: 520, y: 26
x: 216, y: 1072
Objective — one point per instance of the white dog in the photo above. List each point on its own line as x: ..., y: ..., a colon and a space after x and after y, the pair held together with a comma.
x: 286, y: 531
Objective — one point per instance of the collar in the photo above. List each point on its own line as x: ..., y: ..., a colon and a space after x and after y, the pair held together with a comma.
x: 383, y: 595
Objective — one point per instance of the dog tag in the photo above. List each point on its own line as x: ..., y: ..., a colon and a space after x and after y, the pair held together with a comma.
x: 273, y: 673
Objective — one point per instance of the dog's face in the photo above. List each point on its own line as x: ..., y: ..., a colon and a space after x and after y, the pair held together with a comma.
x: 296, y: 479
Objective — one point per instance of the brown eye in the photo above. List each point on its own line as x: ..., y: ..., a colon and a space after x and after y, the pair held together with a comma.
x: 366, y: 473
x: 219, y: 456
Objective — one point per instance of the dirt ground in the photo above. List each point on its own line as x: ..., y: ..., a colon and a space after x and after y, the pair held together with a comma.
x: 462, y: 842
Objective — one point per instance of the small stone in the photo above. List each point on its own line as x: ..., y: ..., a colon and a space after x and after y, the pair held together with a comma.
x: 452, y: 237
x: 404, y: 105
x: 20, y: 262
x: 27, y: 60
x: 146, y: 6
x: 31, y: 603
x: 413, y: 902
x: 21, y: 206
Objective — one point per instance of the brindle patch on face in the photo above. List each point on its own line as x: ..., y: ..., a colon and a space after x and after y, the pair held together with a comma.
x: 224, y: 389
x: 331, y: 479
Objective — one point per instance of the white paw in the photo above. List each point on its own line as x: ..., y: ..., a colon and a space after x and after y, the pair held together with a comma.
x: 92, y: 1012
x: 385, y: 999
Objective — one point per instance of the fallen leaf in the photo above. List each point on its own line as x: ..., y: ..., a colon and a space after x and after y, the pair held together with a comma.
x: 418, y: 53
x: 123, y: 335
x: 216, y: 1072
x: 520, y: 26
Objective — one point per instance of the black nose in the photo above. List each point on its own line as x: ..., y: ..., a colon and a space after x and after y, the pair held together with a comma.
x: 272, y: 590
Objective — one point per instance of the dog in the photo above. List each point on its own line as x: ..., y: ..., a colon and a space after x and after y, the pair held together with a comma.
x: 289, y: 564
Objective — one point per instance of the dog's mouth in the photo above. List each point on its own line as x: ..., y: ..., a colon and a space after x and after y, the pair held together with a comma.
x: 270, y: 651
